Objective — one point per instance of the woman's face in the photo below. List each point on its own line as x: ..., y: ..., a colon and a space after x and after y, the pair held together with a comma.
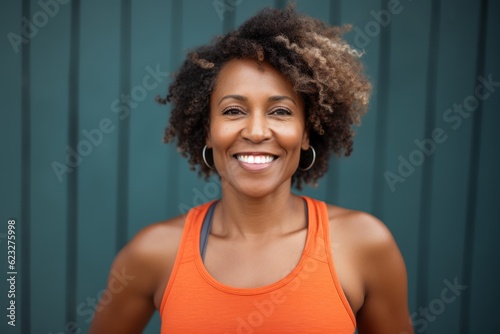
x: 257, y: 128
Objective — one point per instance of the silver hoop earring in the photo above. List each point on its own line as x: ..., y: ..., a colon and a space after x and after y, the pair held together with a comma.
x: 312, y: 162
x: 205, y: 159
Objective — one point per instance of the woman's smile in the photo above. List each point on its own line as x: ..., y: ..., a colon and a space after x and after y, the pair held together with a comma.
x: 255, y: 161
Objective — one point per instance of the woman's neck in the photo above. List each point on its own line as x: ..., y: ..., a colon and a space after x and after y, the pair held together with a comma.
x: 240, y: 216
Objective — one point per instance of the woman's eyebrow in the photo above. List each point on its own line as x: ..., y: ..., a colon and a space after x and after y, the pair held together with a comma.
x: 281, y: 97
x: 236, y: 97
x: 244, y: 99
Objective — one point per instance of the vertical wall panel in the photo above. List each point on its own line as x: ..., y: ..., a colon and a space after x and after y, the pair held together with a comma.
x: 427, y: 175
x: 485, y: 271
x: 150, y: 170
x: 124, y: 124
x: 448, y: 197
x: 49, y: 137
x: 10, y: 146
x: 72, y: 180
x: 10, y: 117
x: 405, y: 85
x: 176, y: 55
x: 98, y: 126
x: 25, y: 307
x: 355, y: 173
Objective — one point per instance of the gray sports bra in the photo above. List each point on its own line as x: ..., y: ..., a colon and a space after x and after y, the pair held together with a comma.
x: 205, y: 230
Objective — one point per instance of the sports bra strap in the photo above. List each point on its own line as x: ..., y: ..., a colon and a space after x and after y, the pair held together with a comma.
x: 205, y: 230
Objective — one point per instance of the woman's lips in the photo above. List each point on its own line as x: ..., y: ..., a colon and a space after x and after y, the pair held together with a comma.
x: 255, y: 161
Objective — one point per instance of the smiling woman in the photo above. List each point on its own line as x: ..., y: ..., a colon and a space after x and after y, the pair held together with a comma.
x: 264, y: 107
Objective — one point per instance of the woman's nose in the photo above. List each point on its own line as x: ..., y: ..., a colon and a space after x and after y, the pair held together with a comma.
x: 257, y: 128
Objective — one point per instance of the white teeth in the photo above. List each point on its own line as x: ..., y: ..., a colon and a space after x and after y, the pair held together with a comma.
x: 255, y: 159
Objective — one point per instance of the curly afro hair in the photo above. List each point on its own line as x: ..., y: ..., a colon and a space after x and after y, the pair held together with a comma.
x: 322, y: 67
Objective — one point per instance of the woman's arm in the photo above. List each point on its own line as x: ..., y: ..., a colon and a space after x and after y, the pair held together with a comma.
x: 136, y: 277
x: 127, y: 304
x: 385, y: 307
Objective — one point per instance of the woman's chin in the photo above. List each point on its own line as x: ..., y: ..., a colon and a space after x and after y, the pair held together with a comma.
x: 258, y: 189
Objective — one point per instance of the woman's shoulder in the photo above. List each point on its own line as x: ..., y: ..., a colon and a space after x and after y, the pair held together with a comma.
x: 155, y: 241
x: 150, y: 255
x: 369, y: 242
x: 358, y: 227
x: 366, y: 238
x: 152, y: 248
x: 150, y: 235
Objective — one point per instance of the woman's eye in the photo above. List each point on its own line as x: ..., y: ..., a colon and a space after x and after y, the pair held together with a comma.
x: 232, y: 111
x: 281, y: 112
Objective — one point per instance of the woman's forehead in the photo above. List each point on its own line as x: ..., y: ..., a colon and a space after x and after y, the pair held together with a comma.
x: 251, y: 76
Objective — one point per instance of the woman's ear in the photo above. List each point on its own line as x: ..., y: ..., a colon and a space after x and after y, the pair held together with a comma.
x: 208, y: 141
x: 307, y: 126
x: 305, y: 140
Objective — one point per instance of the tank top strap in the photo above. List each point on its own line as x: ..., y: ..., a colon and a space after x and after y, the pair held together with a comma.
x: 321, y: 247
x: 189, y: 243
x: 317, y: 219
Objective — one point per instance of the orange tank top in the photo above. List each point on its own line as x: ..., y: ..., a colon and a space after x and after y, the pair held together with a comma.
x: 308, y: 300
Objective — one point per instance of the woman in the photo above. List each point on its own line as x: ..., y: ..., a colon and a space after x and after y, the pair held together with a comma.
x: 264, y: 107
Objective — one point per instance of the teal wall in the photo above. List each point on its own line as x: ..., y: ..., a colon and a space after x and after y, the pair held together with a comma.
x: 64, y: 83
